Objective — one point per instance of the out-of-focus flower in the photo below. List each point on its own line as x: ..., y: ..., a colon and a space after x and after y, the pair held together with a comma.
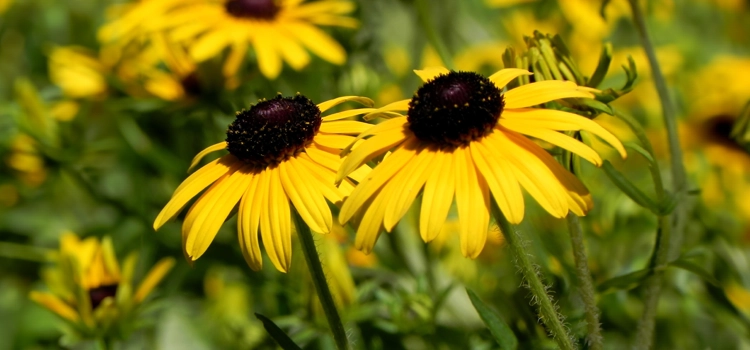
x: 77, y: 72
x: 26, y: 161
x: 280, y: 150
x: 88, y: 289
x: 4, y: 5
x: 180, y: 78
x: 278, y: 31
x: 448, y: 144
x: 472, y: 58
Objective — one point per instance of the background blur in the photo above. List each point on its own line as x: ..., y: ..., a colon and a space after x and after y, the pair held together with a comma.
x: 95, y: 149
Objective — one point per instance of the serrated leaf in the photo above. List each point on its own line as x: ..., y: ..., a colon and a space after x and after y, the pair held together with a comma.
x: 626, y: 281
x: 277, y: 334
x: 696, y: 269
x: 498, y: 328
x: 630, y: 189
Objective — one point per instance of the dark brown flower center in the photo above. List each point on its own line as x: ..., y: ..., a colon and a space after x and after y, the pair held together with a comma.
x: 273, y: 130
x: 191, y: 84
x: 98, y: 294
x: 454, y: 109
x: 253, y: 9
x: 718, y: 129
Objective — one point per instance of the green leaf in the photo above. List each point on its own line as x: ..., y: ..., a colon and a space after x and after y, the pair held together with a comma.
x: 498, y: 328
x: 630, y: 189
x: 627, y: 281
x: 668, y: 204
x: 696, y: 269
x: 277, y: 334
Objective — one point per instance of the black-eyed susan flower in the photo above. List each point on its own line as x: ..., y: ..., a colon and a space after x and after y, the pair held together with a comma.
x: 280, y: 151
x: 278, y: 31
x: 78, y: 72
x: 88, y: 288
x: 464, y: 138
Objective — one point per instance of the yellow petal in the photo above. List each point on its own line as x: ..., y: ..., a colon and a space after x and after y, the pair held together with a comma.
x: 531, y: 173
x: 437, y: 196
x: 334, y: 141
x: 193, y: 185
x: 430, y: 73
x: 371, y: 225
x: 276, y: 222
x: 563, y: 121
x: 325, y: 178
x: 203, y: 153
x: 324, y: 106
x: 377, y: 178
x: 505, y: 76
x: 307, y: 200
x: 409, y: 182
x: 153, y: 278
x: 235, y: 59
x: 215, y: 205
x: 248, y: 219
x: 318, y: 42
x: 495, y: 169
x: 210, y: 44
x: 370, y: 149
x: 269, y: 61
x: 554, y: 137
x: 542, y: 92
x: 402, y: 105
x: 292, y: 52
x: 346, y: 114
x: 54, y: 304
x: 349, y: 127
x: 472, y: 202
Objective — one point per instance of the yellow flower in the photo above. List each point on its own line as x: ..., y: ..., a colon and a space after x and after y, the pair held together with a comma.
x: 88, y: 288
x: 77, y: 72
x: 178, y: 81
x: 464, y: 137
x: 280, y: 151
x: 277, y: 30
x: 4, y: 5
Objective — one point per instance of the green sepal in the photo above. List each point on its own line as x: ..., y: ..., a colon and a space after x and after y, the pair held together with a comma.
x: 498, y: 328
x: 605, y: 59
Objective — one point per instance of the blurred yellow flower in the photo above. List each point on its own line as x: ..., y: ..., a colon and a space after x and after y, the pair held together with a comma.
x: 473, y: 58
x: 26, y: 161
x: 88, y: 288
x: 280, y: 151
x: 278, y: 31
x: 448, y: 144
x: 4, y: 5
x: 77, y: 72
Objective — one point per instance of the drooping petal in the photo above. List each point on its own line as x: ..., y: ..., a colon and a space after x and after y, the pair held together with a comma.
x: 377, y: 178
x: 276, y: 222
x: 335, y: 141
x: 213, y: 148
x: 235, y: 59
x: 472, y: 202
x: 368, y: 150
x: 494, y: 168
x: 535, y: 177
x: 505, y: 76
x: 292, y: 51
x: 318, y: 42
x: 153, y: 278
x: 372, y: 221
x: 563, y: 121
x: 430, y: 73
x: 542, y: 92
x: 554, y: 137
x: 409, y: 181
x: 325, y: 179
x: 193, y: 185
x: 210, y: 44
x: 402, y: 105
x: 248, y: 219
x: 219, y: 202
x: 348, y: 127
x: 55, y: 304
x: 346, y: 114
x: 437, y: 196
x: 307, y: 199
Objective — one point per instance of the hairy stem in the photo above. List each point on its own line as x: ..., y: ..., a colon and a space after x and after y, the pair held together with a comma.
x: 319, y: 280
x: 585, y: 284
x: 547, y: 311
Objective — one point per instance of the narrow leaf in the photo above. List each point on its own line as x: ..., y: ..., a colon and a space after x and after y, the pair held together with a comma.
x: 636, y: 147
x: 627, y: 281
x: 696, y: 269
x: 629, y: 188
x: 499, y: 330
x: 277, y: 334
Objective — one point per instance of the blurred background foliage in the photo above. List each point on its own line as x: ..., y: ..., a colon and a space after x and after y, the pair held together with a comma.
x: 97, y: 149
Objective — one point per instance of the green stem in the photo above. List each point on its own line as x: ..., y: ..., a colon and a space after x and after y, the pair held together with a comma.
x: 319, y: 280
x: 531, y: 274
x: 432, y: 35
x: 586, y: 284
x: 674, y: 224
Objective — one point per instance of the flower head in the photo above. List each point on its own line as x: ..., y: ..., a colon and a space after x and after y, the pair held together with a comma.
x: 278, y: 30
x: 464, y: 137
x: 89, y: 289
x: 281, y: 151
